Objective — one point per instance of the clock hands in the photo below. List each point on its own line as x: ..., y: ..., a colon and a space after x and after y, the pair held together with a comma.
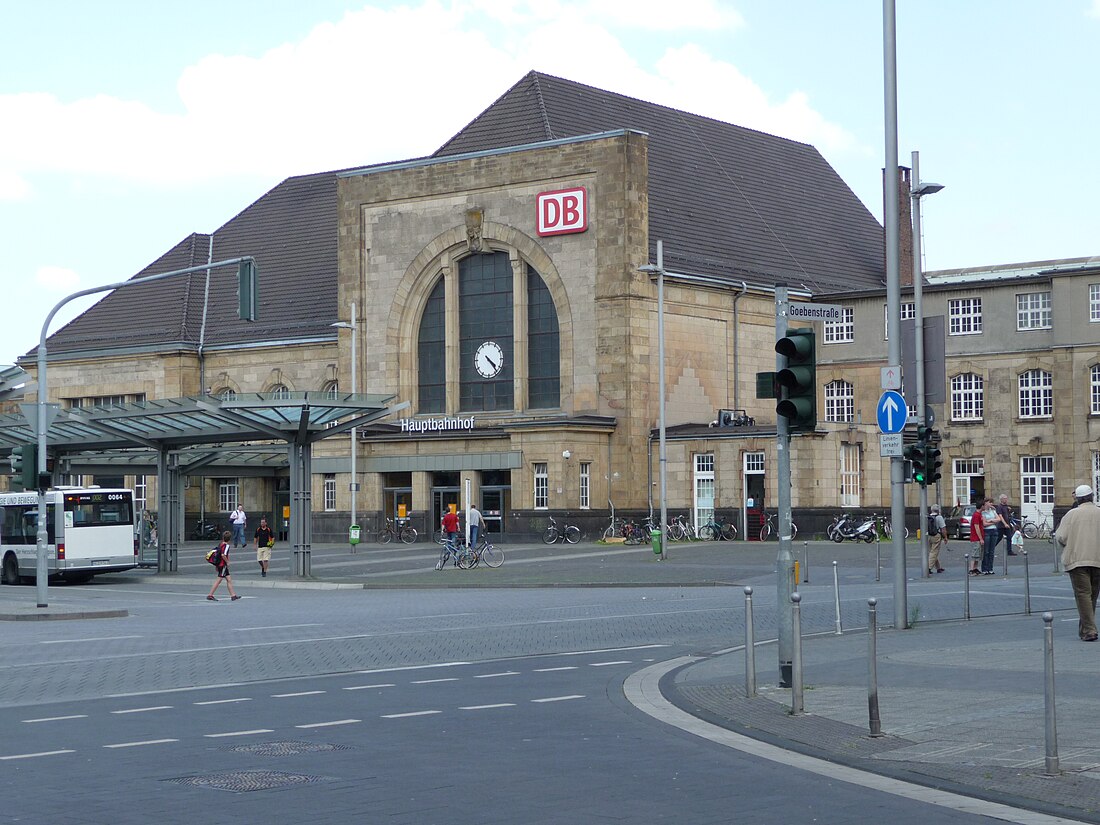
x: 492, y: 363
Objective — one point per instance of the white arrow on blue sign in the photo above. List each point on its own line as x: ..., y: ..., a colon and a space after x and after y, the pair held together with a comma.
x: 892, y: 412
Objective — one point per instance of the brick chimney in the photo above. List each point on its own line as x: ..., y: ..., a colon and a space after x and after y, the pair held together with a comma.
x: 905, y: 225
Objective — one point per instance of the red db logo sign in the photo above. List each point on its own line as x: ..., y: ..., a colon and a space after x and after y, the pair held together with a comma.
x: 562, y: 212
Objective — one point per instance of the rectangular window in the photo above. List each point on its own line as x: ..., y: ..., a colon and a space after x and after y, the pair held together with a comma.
x: 1036, y: 394
x: 840, y: 405
x: 1096, y: 471
x: 330, y: 492
x: 965, y: 316
x: 586, y: 484
x: 141, y: 494
x: 908, y: 310
x: 542, y: 486
x: 1094, y: 386
x: 1094, y: 303
x: 704, y: 489
x: 842, y: 331
x: 1033, y: 311
x: 967, y: 397
x: 229, y: 492
x: 849, y: 475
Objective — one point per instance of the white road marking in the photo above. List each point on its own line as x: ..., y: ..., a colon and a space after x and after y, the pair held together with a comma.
x: 224, y: 701
x: 559, y: 698
x: 56, y: 718
x: 140, y: 744
x: 434, y: 681
x: 412, y: 667
x: 606, y: 664
x: 494, y: 675
x: 171, y: 690
x: 291, y: 695
x: 553, y: 669
x: 33, y: 755
x: 143, y: 710
x: 93, y: 639
x: 368, y: 687
x: 278, y: 627
x: 488, y: 707
x: 414, y: 713
x: 329, y: 724
x: 642, y: 690
x: 237, y: 733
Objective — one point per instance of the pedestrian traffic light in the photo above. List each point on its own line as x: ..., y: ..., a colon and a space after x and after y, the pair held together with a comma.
x: 798, y: 380
x: 917, y: 457
x: 932, y: 463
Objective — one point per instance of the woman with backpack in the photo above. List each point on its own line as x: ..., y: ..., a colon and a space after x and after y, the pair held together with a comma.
x: 220, y: 560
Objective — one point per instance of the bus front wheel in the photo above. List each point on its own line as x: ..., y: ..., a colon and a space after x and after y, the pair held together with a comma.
x: 9, y: 574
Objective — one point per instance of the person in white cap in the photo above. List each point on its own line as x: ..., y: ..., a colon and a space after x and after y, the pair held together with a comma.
x: 1079, y: 535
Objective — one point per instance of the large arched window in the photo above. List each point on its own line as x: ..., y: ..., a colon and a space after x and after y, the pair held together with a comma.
x: 507, y: 339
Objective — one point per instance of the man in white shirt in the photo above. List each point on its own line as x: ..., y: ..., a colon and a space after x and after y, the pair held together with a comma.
x: 238, y: 518
x: 475, y: 525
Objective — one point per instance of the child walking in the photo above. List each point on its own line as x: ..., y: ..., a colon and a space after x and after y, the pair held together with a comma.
x: 223, y: 570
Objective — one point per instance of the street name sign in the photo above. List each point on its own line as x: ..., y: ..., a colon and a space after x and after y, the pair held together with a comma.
x: 798, y: 311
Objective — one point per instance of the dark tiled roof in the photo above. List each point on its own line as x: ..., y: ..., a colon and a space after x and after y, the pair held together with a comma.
x: 726, y: 200
x: 291, y: 231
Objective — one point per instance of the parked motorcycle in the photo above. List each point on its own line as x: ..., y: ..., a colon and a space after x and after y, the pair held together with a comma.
x: 205, y: 530
x: 848, y: 527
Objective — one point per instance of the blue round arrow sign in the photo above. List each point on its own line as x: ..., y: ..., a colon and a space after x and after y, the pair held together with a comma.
x: 892, y: 412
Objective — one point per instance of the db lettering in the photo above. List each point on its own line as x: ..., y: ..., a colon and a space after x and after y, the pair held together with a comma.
x: 563, y: 211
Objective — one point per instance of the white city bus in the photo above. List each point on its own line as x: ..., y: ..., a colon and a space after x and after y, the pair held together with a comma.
x: 89, y: 531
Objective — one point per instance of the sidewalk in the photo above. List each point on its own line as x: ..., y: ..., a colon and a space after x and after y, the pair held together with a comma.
x: 961, y: 707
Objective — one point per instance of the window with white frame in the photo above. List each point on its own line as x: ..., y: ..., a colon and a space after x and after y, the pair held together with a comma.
x: 842, y: 331
x: 703, y: 505
x: 229, y: 494
x: 965, y: 316
x: 226, y: 394
x: 542, y: 486
x: 1096, y: 470
x: 141, y: 493
x: 840, y: 403
x: 1033, y: 311
x: 849, y: 475
x: 280, y: 391
x: 330, y: 492
x: 908, y: 310
x: 1094, y: 389
x: 1094, y: 302
x: 967, y: 397
x: 1036, y: 394
x: 963, y: 473
x: 331, y: 389
x: 586, y: 484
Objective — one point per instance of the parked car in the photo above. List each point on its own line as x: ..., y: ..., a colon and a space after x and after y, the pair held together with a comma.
x: 958, y: 523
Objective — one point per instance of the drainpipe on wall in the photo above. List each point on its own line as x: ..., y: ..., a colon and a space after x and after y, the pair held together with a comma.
x: 736, y: 368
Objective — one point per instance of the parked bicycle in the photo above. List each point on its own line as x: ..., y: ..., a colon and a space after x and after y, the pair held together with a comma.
x: 885, y: 525
x: 486, y: 551
x: 1039, y: 530
x: 769, y: 527
x: 570, y: 534
x: 722, y: 530
x: 680, y: 529
x: 390, y: 530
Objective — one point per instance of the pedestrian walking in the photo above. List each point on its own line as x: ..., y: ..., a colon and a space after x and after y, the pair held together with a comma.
x: 1079, y: 535
x: 1008, y: 526
x: 238, y: 518
x: 475, y: 521
x: 937, y: 538
x: 223, y: 570
x: 991, y: 530
x: 265, y: 540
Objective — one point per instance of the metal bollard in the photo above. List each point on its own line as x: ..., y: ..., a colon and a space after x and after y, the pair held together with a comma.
x: 796, y: 656
x: 966, y: 589
x: 836, y: 599
x: 1057, y: 558
x: 1048, y: 696
x: 873, y: 721
x: 1005, y: 565
x: 750, y: 647
x: 1027, y: 586
x: 878, y: 561
x: 806, y: 562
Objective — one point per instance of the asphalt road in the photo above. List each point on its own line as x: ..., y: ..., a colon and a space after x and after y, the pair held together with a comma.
x: 398, y: 705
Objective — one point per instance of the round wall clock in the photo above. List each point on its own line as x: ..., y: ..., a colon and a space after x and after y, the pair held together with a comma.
x: 489, y: 359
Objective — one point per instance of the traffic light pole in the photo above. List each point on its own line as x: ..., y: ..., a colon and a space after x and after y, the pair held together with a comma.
x: 918, y: 346
x: 784, y: 565
x: 247, y: 299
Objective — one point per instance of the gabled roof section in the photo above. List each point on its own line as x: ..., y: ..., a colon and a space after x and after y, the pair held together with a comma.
x: 291, y: 231
x: 727, y: 201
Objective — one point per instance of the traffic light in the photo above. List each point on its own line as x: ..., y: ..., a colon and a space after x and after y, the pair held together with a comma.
x: 932, y: 462
x: 16, y: 467
x: 918, y: 457
x: 24, y: 466
x: 798, y: 381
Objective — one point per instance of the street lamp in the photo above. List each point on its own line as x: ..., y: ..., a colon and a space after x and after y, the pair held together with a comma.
x: 917, y: 191
x: 662, y: 460
x: 354, y: 327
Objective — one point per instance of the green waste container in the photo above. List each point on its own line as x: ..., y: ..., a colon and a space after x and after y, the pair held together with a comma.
x: 353, y: 534
x: 655, y: 540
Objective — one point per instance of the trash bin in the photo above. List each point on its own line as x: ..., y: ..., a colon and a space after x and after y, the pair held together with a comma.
x: 655, y: 540
x: 353, y: 534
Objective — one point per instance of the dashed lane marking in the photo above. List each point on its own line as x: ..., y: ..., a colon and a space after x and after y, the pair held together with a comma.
x: 606, y: 664
x: 368, y: 687
x: 34, y: 755
x: 142, y: 710
x: 433, y: 681
x: 494, y: 675
x: 559, y: 698
x: 224, y: 701
x: 300, y: 693
x: 553, y: 669
x: 82, y: 641
x: 237, y: 733
x: 414, y: 713
x: 56, y: 718
x: 488, y: 707
x: 140, y: 744
x: 329, y: 724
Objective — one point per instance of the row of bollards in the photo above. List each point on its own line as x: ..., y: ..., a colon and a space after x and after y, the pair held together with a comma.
x: 874, y: 720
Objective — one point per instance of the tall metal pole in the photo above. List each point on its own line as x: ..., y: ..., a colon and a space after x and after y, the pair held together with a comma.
x: 784, y: 565
x: 918, y: 345
x: 354, y: 385
x: 893, y: 294
x: 662, y: 454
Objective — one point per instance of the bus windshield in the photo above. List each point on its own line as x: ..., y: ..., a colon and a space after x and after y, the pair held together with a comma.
x: 94, y: 509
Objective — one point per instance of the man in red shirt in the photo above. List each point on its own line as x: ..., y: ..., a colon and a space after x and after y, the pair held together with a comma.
x: 450, y: 530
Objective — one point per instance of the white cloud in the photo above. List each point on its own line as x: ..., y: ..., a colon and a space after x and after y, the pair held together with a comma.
x: 384, y: 85
x: 57, y: 279
x: 1095, y: 10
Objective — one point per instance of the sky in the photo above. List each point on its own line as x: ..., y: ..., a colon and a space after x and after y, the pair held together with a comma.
x: 127, y: 125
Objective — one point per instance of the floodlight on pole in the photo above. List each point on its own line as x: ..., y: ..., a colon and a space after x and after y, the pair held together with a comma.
x: 354, y: 327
